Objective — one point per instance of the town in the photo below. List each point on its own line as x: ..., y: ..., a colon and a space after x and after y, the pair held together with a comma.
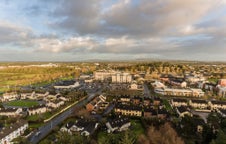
x: 117, y: 102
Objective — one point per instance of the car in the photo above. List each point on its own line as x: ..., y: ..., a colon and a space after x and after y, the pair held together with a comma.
x: 38, y: 133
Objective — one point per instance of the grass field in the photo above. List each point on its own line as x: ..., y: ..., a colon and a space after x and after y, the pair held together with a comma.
x: 22, y: 103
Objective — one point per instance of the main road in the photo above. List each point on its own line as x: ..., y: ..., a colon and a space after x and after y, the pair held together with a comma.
x: 43, y: 131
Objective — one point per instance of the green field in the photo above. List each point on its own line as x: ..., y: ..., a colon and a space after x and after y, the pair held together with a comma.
x: 22, y: 103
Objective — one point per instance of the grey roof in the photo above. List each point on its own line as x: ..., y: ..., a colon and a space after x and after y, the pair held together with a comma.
x: 6, y: 131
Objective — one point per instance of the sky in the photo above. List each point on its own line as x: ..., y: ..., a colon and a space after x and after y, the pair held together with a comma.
x: 78, y: 30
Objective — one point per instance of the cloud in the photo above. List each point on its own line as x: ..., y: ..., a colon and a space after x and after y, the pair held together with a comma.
x: 163, y: 28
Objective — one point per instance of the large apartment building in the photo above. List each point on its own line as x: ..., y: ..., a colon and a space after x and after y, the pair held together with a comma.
x: 121, y: 78
x: 102, y: 75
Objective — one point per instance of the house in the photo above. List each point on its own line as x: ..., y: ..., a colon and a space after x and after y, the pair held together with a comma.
x: 83, y: 126
x: 96, y: 103
x: 147, y: 101
x: 89, y: 129
x: 9, y: 96
x: 90, y: 106
x: 176, y: 102
x: 135, y: 86
x: 55, y: 104
x: 103, y: 105
x: 162, y: 113
x: 128, y: 110
x: 11, y: 112
x: 157, y: 101
x: 136, y: 100
x: 183, y: 110
x: 118, y: 124
x: 124, y: 99
x: 217, y: 105
x: 198, y: 104
x: 37, y: 110
x: 13, y: 131
x: 149, y: 112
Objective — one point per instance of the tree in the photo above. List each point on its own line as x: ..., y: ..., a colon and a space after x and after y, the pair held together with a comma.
x: 127, y: 138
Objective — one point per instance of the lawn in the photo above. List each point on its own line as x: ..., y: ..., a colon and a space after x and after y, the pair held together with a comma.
x: 22, y: 103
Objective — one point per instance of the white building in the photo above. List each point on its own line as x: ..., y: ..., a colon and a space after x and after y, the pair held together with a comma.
x: 75, y: 85
x: 179, y: 92
x: 9, y: 96
x: 103, y: 75
x: 14, y: 131
x: 121, y: 78
x: 37, y: 110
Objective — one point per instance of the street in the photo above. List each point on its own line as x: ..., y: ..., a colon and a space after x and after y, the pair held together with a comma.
x: 43, y: 131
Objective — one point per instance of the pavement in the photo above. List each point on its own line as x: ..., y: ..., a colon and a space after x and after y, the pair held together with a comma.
x: 43, y: 131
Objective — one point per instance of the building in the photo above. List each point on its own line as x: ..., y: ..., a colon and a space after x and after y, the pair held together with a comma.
x: 55, y: 103
x: 149, y: 112
x: 180, y: 92
x: 137, y: 100
x: 121, y: 78
x: 128, y: 110
x: 124, y: 99
x: 67, y: 85
x: 15, y: 130
x: 176, y: 102
x: 37, y: 110
x: 9, y: 96
x: 103, y: 75
x: 214, y: 105
x: 118, y: 124
x: 198, y: 104
x: 147, y: 101
x: 11, y: 112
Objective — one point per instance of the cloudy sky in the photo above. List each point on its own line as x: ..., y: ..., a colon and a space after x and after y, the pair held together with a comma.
x: 76, y: 30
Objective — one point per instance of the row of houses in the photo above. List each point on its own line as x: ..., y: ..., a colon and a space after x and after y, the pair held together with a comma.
x: 13, y: 131
x: 138, y: 111
x: 199, y: 104
x: 180, y: 92
x: 137, y: 100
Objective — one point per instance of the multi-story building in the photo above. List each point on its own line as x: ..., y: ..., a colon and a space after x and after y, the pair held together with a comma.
x: 179, y: 102
x: 121, y: 78
x: 103, y: 75
x: 9, y: 96
x: 37, y: 110
x: 129, y: 110
x: 15, y: 130
x: 180, y: 92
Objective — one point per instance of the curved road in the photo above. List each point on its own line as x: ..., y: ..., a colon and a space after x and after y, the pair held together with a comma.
x: 43, y: 131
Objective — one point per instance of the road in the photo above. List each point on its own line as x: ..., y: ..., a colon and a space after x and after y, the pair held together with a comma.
x: 43, y: 131
x: 146, y: 91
